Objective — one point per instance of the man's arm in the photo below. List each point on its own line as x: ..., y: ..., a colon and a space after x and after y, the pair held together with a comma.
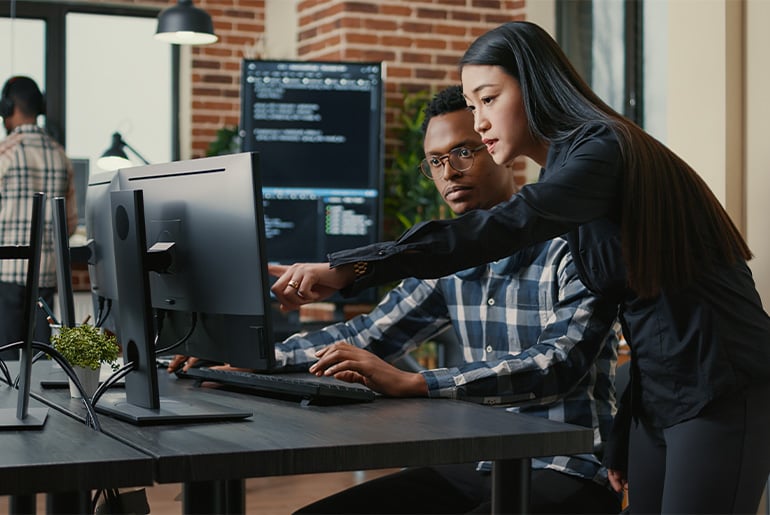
x: 410, y: 314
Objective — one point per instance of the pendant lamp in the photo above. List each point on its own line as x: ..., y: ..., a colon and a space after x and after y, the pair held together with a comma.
x: 185, y: 24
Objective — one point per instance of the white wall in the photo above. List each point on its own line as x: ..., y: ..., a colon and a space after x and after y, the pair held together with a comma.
x: 718, y: 117
x: 696, y: 87
x: 757, y: 131
x: 280, y: 41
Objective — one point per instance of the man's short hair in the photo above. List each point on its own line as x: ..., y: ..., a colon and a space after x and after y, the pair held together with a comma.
x: 22, y: 92
x: 448, y: 100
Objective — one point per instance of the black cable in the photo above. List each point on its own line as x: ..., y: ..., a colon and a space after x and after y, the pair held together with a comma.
x: 64, y: 364
x: 4, y: 368
x: 114, y: 378
x: 6, y: 372
x: 160, y: 352
x: 91, y: 419
x: 102, y: 314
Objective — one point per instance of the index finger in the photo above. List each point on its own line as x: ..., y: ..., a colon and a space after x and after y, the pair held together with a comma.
x: 276, y: 270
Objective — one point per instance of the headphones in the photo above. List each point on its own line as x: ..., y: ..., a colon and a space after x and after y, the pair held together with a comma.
x: 6, y: 105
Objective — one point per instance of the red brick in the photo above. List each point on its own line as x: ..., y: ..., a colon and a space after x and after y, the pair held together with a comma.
x: 486, y: 4
x: 432, y: 14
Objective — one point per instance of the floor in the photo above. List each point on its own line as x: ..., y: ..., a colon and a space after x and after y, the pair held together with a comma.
x: 269, y: 495
x: 265, y: 496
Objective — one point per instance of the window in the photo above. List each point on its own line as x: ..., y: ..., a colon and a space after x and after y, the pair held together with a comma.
x: 603, y: 40
x: 101, y: 71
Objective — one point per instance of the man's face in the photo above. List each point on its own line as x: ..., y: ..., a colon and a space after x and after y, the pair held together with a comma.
x: 484, y: 184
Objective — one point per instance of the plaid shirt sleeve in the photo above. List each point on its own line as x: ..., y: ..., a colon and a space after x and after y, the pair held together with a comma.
x: 411, y: 313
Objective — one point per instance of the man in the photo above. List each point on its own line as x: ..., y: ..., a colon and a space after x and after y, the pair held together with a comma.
x: 529, y: 330
x: 30, y: 161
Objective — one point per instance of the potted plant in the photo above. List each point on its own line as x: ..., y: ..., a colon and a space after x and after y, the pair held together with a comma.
x: 86, y: 348
x: 409, y: 196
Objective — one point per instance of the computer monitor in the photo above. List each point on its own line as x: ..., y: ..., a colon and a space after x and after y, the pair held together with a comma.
x: 101, y: 261
x: 81, y: 168
x: 318, y: 127
x: 61, y: 245
x: 190, y: 265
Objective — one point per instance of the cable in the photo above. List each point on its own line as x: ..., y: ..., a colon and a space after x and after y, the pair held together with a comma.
x: 6, y: 372
x: 13, y: 35
x: 194, y: 322
x: 114, y: 378
x: 102, y: 315
x: 91, y: 420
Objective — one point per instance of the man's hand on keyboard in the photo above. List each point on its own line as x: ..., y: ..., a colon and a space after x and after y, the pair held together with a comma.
x: 182, y: 363
x: 355, y: 365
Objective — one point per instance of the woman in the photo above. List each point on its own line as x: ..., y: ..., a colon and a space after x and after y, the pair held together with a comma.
x: 643, y: 229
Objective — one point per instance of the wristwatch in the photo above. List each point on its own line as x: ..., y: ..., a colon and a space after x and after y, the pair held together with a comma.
x: 360, y: 268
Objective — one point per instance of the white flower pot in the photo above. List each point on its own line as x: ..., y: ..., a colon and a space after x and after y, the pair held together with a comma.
x: 89, y: 380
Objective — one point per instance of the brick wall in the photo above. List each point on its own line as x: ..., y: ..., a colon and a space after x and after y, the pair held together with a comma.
x: 420, y: 41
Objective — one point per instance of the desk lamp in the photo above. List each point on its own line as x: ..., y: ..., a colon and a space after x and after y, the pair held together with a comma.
x: 184, y: 24
x: 115, y: 158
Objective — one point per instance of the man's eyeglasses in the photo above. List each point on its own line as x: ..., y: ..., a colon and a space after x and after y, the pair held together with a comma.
x: 460, y: 159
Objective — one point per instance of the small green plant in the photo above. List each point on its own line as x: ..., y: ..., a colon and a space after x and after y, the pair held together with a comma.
x: 410, y: 197
x: 227, y: 141
x: 86, y: 346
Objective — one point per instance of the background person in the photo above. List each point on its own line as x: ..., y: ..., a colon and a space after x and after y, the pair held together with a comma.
x: 30, y: 162
x: 643, y: 229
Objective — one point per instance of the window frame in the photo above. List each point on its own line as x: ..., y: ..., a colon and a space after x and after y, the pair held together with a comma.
x: 574, y: 29
x: 54, y: 16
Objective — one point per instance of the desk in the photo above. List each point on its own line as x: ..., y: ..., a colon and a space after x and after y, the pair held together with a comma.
x: 284, y: 438
x: 65, y: 457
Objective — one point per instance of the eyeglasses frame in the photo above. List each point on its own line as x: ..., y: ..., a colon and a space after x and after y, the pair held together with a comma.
x: 447, y: 156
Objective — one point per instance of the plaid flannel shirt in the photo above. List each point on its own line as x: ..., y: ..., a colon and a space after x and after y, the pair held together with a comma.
x: 527, y: 325
x: 30, y: 162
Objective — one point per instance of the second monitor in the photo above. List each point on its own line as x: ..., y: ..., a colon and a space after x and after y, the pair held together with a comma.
x: 210, y: 212
x: 190, y: 268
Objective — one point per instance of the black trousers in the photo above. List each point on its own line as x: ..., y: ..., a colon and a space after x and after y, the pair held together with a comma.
x: 717, y: 462
x: 461, y: 489
x: 11, y: 316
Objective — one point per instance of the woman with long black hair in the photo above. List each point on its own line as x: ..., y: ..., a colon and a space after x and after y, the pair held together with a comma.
x: 645, y: 230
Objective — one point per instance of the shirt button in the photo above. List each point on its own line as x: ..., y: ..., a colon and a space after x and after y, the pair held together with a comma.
x: 489, y: 348
x: 491, y: 302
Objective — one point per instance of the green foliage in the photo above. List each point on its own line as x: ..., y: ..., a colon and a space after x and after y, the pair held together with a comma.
x: 409, y: 196
x: 227, y: 142
x: 86, y: 346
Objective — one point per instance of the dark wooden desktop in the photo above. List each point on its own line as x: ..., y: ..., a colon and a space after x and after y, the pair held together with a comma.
x: 65, y: 459
x: 283, y: 438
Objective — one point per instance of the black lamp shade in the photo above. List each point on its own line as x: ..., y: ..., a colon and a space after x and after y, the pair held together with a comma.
x: 114, y: 157
x: 116, y: 148
x: 185, y: 24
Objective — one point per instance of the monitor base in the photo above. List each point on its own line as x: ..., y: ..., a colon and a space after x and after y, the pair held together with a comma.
x: 35, y: 418
x: 170, y: 411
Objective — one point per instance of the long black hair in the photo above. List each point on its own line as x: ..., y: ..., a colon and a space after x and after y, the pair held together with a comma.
x: 673, y: 228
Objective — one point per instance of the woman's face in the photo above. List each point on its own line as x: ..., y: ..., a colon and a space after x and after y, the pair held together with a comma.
x: 499, y: 117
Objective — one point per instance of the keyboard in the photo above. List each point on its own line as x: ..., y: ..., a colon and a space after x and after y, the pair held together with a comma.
x: 300, y: 386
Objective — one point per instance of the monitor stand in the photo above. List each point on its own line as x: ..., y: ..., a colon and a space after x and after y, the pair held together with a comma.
x: 23, y: 416
x: 141, y: 403
x: 34, y: 418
